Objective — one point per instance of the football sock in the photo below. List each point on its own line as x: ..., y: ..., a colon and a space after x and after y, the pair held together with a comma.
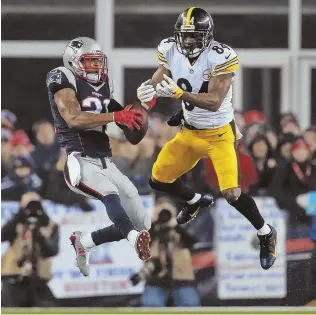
x: 177, y: 188
x: 264, y: 230
x: 246, y: 205
x: 106, y: 235
x: 195, y: 199
x: 87, y: 241
x: 132, y: 237
x: 117, y: 214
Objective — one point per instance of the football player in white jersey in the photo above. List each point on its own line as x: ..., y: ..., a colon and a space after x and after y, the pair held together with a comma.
x: 199, y: 71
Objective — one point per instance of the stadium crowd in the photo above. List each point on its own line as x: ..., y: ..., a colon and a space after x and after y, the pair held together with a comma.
x: 279, y: 162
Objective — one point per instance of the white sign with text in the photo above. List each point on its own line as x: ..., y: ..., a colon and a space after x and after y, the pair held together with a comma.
x: 238, y: 269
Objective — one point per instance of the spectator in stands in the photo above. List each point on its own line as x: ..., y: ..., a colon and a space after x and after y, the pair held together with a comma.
x: 240, y: 120
x: 163, y: 133
x: 166, y: 135
x: 46, y: 150
x: 284, y: 147
x: 6, y: 151
x: 21, y: 144
x: 265, y: 163
x: 310, y: 138
x: 286, y: 117
x: 117, y: 137
x: 8, y: 120
x: 26, y: 266
x: 157, y: 122
x: 291, y: 126
x: 271, y: 136
x: 196, y: 179
x: 135, y: 161
x: 126, y: 155
x: 169, y: 271
x: 57, y: 190
x: 254, y: 124
x: 248, y: 174
x: 21, y: 178
x: 292, y: 179
x: 254, y: 116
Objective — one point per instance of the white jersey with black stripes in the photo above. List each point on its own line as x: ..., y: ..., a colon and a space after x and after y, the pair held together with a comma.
x: 215, y: 60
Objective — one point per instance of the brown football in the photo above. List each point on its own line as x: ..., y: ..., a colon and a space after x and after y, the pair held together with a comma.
x: 135, y: 136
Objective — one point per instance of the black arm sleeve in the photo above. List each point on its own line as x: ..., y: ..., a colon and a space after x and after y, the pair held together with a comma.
x: 60, y: 78
x: 114, y: 106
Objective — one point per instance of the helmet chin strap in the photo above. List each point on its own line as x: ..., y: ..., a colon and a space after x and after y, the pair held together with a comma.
x: 94, y: 77
x: 195, y: 52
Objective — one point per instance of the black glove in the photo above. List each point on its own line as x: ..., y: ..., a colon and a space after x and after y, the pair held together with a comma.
x: 176, y: 119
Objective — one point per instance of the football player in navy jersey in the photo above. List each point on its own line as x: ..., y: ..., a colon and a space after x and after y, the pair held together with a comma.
x: 82, y: 105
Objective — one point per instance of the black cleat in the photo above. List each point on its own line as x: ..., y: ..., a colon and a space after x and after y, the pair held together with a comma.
x: 268, y: 251
x: 189, y: 212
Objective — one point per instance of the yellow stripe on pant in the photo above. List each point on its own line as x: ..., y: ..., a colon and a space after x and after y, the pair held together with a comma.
x: 184, y: 151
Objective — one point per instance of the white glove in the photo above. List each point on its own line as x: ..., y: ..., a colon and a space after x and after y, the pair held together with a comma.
x: 146, y: 92
x: 168, y: 88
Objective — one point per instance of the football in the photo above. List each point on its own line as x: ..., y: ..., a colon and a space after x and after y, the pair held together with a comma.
x: 135, y: 136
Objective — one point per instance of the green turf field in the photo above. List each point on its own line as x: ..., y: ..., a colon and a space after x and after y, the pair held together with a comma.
x: 171, y: 311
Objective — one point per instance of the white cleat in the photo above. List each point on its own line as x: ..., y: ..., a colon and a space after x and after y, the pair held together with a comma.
x: 82, y: 254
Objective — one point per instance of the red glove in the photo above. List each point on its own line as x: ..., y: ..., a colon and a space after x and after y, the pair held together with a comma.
x: 149, y: 105
x: 133, y: 119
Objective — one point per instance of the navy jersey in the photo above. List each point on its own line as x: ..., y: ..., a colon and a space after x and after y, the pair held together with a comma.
x: 93, y: 98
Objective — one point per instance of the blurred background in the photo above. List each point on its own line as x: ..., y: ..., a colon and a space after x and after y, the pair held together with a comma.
x: 274, y: 98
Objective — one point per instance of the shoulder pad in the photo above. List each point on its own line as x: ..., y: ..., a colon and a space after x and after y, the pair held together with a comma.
x: 60, y: 78
x: 163, y: 51
x: 53, y: 76
x: 166, y: 44
x: 223, y: 58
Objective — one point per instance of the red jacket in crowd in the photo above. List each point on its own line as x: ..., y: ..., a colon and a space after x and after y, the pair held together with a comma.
x: 248, y: 174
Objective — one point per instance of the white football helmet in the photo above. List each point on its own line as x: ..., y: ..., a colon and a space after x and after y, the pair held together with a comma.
x: 84, y: 56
